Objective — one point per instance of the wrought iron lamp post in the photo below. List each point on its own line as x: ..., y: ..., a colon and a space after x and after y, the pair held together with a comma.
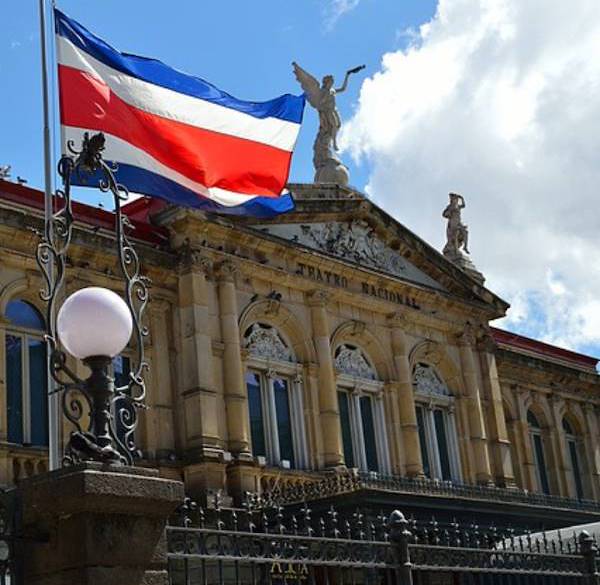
x: 94, y: 324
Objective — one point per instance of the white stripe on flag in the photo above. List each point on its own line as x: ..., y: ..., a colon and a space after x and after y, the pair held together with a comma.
x: 120, y: 151
x: 172, y: 105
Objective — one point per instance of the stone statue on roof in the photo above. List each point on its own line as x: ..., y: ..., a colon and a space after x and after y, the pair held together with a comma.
x: 457, y: 237
x: 322, y: 97
x: 457, y: 233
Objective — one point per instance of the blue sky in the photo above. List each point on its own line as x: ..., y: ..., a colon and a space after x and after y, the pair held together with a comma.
x: 245, y: 48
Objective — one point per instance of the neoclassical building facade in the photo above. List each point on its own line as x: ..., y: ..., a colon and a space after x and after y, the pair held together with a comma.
x: 330, y: 349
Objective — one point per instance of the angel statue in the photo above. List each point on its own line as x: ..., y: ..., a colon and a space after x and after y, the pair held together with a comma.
x: 322, y: 98
x: 457, y: 233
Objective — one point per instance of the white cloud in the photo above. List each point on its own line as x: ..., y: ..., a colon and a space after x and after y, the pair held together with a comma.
x: 499, y: 100
x: 335, y: 9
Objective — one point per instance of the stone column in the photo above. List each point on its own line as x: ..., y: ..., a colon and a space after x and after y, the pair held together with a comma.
x: 236, y: 401
x: 159, y: 419
x: 482, y: 470
x: 562, y: 459
x: 328, y: 402
x: 530, y: 479
x: 593, y: 448
x: 313, y: 420
x: 3, y: 364
x: 500, y: 448
x: 413, y: 463
x: 392, y: 426
x: 105, y: 525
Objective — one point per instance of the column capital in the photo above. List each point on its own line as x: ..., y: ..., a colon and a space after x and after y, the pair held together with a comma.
x: 319, y: 298
x: 191, y: 259
x: 397, y: 319
x: 485, y: 340
x: 226, y: 271
x: 467, y: 336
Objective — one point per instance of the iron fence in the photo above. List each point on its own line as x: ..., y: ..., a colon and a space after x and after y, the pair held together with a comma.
x: 266, y: 545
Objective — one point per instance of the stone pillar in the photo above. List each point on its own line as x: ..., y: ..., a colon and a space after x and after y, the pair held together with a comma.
x: 105, y: 525
x: 159, y: 419
x: 236, y: 402
x: 530, y: 479
x: 313, y: 421
x: 200, y: 430
x: 413, y: 463
x: 562, y: 461
x: 482, y: 469
x: 592, y: 448
x: 3, y: 364
x: 328, y: 402
x: 500, y: 448
x: 392, y: 424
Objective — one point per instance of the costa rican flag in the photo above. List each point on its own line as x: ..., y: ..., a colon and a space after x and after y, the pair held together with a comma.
x: 173, y: 135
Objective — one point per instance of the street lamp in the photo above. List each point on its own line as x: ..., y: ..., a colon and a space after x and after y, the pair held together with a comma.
x: 94, y: 324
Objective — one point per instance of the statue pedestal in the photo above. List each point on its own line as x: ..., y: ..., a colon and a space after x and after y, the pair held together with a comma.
x: 464, y: 262
x: 103, y: 525
x: 332, y: 171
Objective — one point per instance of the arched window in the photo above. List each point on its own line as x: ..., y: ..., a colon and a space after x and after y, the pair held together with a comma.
x: 26, y: 379
x: 436, y: 425
x: 275, y: 403
x: 573, y: 446
x: 539, y: 459
x: 362, y: 418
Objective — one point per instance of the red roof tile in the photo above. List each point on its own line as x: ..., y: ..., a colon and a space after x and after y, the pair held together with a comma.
x: 29, y: 197
x: 543, y: 349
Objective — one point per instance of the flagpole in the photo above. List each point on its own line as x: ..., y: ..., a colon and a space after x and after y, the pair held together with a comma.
x: 53, y: 410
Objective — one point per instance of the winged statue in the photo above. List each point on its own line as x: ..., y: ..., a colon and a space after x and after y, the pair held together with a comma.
x: 321, y: 96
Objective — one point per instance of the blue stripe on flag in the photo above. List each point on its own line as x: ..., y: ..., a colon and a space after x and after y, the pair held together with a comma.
x: 286, y: 107
x: 148, y: 183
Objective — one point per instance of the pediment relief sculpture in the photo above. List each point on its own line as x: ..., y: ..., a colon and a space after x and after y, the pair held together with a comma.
x: 427, y: 382
x: 263, y: 341
x: 357, y: 242
x: 350, y: 360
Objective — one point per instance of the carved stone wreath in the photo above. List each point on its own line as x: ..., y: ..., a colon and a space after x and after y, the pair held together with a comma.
x: 356, y: 242
x: 263, y: 341
x: 426, y: 381
x: 351, y: 361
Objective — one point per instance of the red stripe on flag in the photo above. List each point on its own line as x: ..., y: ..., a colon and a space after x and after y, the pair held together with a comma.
x: 204, y: 156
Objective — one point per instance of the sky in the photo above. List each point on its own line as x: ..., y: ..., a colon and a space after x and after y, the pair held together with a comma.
x: 493, y: 99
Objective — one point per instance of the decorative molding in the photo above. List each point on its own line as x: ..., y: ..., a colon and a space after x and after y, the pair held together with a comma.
x: 351, y: 361
x: 264, y: 342
x: 357, y: 328
x: 427, y: 382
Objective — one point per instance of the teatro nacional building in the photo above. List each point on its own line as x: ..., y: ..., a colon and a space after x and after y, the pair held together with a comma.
x: 327, y: 355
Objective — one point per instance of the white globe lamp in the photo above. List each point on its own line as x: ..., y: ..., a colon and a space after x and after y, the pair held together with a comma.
x: 94, y: 321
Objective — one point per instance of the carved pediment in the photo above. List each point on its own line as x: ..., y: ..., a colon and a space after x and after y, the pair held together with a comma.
x: 354, y: 241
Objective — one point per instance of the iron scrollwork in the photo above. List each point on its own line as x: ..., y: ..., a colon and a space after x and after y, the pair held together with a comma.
x: 108, y: 436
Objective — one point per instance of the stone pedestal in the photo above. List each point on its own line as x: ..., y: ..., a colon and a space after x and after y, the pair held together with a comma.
x: 102, y: 526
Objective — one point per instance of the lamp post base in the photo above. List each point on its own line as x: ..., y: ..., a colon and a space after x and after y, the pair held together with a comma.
x: 104, y: 525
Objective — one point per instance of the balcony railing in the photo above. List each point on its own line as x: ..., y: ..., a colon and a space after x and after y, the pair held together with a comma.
x: 352, y: 481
